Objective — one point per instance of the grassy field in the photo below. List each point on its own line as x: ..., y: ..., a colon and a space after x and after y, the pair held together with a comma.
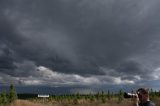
x: 98, y: 99
x: 70, y: 103
x: 79, y: 102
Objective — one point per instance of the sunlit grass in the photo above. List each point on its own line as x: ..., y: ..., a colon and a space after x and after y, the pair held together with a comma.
x: 80, y: 102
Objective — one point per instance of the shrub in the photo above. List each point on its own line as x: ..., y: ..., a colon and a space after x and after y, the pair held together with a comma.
x: 120, y: 96
x: 3, y: 98
x: 12, y: 93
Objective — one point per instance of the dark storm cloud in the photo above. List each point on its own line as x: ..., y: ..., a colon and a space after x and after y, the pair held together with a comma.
x: 6, y: 60
x: 9, y: 39
x: 80, y: 37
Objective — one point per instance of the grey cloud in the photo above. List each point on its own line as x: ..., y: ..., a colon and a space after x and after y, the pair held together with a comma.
x: 24, y: 69
x: 79, y: 36
x: 131, y: 67
x: 6, y: 60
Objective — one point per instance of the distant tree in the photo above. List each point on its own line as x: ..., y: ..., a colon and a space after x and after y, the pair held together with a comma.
x: 78, y: 95
x: 109, y: 95
x: 103, y: 100
x: 3, y: 97
x: 91, y: 97
x: 12, y: 93
x: 102, y: 93
x: 86, y: 97
x: 112, y: 95
x: 156, y: 93
x: 0, y: 99
x: 98, y: 96
x: 120, y: 96
x: 152, y: 94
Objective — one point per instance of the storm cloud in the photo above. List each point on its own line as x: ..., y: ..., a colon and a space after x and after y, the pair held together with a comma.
x: 79, y: 42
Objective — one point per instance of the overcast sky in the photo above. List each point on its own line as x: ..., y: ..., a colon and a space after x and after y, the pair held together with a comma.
x: 80, y: 42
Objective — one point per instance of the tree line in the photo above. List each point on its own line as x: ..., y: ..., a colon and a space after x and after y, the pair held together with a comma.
x: 11, y: 95
x: 100, y: 96
x: 8, y: 97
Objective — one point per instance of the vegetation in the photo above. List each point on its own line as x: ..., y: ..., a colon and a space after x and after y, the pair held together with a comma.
x: 120, y: 96
x: 6, y: 98
x: 99, y: 99
x: 12, y: 94
x: 3, y: 98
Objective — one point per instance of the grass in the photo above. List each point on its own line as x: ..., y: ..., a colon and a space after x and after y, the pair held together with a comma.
x: 79, y: 102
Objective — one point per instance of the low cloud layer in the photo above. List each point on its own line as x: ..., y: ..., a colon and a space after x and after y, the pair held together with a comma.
x: 79, y: 42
